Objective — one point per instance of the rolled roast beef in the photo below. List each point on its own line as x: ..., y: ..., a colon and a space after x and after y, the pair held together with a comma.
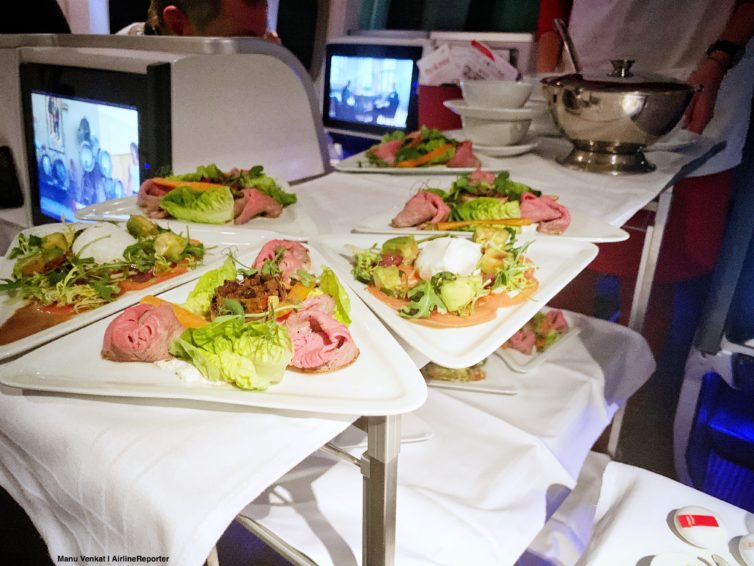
x: 141, y: 333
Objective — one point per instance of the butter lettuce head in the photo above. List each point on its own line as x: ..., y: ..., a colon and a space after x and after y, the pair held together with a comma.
x: 209, y: 206
x: 486, y: 208
x: 248, y: 355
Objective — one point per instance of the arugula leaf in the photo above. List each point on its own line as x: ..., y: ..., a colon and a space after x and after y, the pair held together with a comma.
x: 105, y: 289
x: 423, y: 299
x: 231, y: 306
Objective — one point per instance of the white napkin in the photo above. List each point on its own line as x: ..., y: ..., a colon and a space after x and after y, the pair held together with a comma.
x: 102, y: 477
x: 634, y: 515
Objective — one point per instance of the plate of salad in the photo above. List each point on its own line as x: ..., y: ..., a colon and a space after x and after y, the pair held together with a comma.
x: 270, y: 327
x: 241, y: 198
x: 58, y: 277
x: 453, y: 299
x: 424, y: 151
x: 545, y: 333
x: 483, y: 198
x: 490, y: 375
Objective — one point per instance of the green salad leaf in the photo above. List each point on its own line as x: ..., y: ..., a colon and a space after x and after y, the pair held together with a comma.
x: 255, y: 178
x: 200, y: 298
x: 329, y: 284
x: 425, y: 297
x: 365, y: 262
x: 251, y: 355
x: 209, y: 206
x: 485, y: 208
x: 210, y: 173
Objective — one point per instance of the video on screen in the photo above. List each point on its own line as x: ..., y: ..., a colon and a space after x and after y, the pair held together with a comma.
x: 370, y: 90
x: 87, y: 152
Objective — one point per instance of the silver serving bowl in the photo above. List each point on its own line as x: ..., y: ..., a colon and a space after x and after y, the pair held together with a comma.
x: 612, y: 118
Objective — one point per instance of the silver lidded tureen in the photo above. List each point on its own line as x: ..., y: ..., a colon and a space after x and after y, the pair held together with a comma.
x: 611, y: 118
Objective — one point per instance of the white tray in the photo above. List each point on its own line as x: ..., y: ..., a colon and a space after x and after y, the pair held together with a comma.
x: 382, y: 381
x: 558, y: 262
x: 582, y: 227
x: 521, y: 363
x: 499, y: 380
x: 216, y: 243
x: 359, y: 163
x: 292, y: 222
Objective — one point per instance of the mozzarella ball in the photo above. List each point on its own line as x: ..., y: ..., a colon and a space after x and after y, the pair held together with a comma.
x: 104, y: 242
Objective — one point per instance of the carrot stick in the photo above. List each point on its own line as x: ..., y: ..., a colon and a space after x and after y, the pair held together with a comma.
x: 426, y: 158
x: 464, y: 223
x: 173, y: 183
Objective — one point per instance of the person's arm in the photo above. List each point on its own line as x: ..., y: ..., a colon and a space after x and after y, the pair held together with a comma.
x: 711, y: 71
x: 549, y: 44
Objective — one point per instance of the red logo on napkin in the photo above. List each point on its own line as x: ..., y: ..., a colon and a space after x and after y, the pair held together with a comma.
x: 687, y: 521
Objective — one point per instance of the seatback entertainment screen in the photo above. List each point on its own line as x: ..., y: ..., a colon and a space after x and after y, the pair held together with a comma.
x: 92, y: 134
x: 371, y: 88
x: 86, y: 151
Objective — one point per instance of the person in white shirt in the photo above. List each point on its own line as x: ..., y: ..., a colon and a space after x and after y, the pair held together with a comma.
x: 707, y: 43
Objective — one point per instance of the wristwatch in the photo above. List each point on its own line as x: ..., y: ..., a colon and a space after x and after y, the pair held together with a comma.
x: 733, y: 50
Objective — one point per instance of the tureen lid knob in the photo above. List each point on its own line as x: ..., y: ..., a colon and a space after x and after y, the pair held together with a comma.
x: 621, y: 68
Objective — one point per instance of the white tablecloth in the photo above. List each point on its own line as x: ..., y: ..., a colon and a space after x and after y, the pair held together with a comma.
x: 103, y: 477
x: 477, y: 491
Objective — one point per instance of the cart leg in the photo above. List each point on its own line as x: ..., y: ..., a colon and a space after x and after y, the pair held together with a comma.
x: 648, y: 263
x: 380, y: 471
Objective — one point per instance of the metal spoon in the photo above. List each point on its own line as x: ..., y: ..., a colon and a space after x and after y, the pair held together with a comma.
x: 567, y: 43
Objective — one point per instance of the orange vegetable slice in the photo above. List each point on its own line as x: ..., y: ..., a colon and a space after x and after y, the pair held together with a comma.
x: 174, y: 183
x: 185, y: 317
x: 426, y: 158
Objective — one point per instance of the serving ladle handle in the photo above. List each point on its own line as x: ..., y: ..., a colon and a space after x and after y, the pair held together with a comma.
x: 567, y: 43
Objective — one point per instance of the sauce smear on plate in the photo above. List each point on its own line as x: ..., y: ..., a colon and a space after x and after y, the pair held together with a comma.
x: 30, y: 319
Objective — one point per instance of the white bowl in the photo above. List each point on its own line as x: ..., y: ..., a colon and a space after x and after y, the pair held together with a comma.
x: 496, y: 94
x: 495, y: 132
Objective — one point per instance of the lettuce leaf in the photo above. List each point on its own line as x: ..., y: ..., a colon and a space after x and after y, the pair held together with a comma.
x: 255, y: 178
x: 210, y: 173
x: 209, y: 206
x: 330, y: 284
x: 486, y: 208
x: 251, y: 356
x: 200, y: 298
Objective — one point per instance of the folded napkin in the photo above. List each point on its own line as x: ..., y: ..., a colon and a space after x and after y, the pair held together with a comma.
x: 107, y: 477
x: 634, y: 514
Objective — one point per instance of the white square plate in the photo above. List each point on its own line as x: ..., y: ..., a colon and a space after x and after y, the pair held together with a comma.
x: 359, y: 163
x: 557, y: 261
x: 292, y: 222
x: 216, y: 243
x: 521, y: 363
x: 382, y: 381
x: 499, y: 380
x: 582, y: 227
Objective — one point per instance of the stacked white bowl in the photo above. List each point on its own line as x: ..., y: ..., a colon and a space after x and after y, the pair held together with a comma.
x: 485, y: 120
